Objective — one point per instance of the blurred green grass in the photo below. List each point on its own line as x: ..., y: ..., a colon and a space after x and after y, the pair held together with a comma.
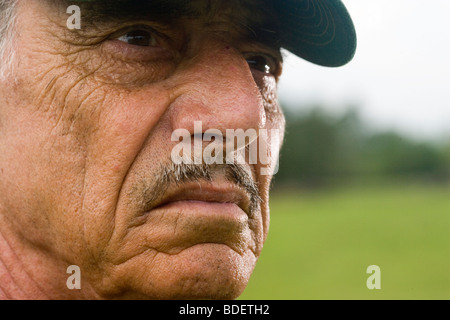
x: 321, y: 243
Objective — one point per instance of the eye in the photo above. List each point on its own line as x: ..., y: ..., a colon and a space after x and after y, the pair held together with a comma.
x: 262, y: 63
x: 141, y: 38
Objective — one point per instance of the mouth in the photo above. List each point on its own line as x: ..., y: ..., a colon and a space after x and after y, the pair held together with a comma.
x: 199, y: 212
x: 206, y: 194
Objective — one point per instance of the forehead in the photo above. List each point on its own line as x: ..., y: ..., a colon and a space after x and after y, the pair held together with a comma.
x: 253, y: 9
x: 254, y: 19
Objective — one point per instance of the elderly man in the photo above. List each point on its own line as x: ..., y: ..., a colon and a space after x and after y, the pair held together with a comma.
x: 89, y: 191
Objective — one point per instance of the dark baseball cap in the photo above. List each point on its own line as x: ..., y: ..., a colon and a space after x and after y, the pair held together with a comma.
x: 320, y: 31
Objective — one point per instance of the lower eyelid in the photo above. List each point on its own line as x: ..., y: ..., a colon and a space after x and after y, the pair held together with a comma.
x: 127, y: 52
x: 128, y: 74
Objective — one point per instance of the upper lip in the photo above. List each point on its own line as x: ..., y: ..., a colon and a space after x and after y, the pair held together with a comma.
x: 207, y: 192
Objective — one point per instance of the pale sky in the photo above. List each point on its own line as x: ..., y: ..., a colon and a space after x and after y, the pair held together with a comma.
x: 400, y: 76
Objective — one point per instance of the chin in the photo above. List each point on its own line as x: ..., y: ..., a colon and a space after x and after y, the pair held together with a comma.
x: 202, y: 272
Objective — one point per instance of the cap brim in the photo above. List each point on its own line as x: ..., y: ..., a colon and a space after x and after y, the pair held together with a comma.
x: 320, y: 31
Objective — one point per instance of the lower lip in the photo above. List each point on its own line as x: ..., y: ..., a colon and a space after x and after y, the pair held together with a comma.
x: 221, y: 208
x: 208, y: 212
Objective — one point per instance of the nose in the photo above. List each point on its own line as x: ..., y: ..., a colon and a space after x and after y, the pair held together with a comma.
x: 217, y: 88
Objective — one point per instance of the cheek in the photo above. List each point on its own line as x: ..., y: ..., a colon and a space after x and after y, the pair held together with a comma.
x: 270, y: 143
x: 42, y: 179
x: 269, y: 92
x: 115, y: 126
x: 120, y: 126
x: 73, y: 152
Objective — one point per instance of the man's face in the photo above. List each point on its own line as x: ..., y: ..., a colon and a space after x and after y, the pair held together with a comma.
x: 85, y: 148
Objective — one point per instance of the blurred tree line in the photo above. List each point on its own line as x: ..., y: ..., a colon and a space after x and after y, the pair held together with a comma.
x: 321, y: 150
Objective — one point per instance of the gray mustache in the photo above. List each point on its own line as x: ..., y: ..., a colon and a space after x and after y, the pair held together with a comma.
x: 173, y: 175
